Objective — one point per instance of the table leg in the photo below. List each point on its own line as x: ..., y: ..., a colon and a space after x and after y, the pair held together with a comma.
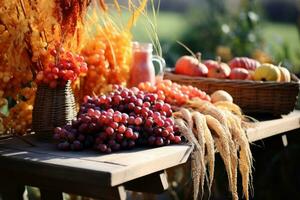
x: 47, y: 194
x: 155, y: 183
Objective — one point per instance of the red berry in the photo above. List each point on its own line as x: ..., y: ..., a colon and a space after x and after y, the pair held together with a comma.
x: 166, y: 107
x: 177, y: 140
x: 117, y: 118
x: 160, y: 122
x: 135, y: 136
x: 149, y: 123
x: 122, y: 129
x: 131, y: 106
x: 124, y: 118
x: 119, y: 136
x: 165, y: 133
x: 138, y: 121
x: 102, y: 147
x: 55, y: 70
x: 110, y: 131
x: 137, y: 110
x: 128, y: 133
x: 83, y: 68
x: 151, y: 140
x: 124, y: 94
x: 131, y: 120
x: 158, y: 106
x: 159, y: 141
x: 146, y: 104
x: 114, y: 125
x: 156, y: 115
x: 171, y: 137
x: 53, y: 52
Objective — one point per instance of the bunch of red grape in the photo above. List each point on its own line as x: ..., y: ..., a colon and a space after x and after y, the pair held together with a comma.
x: 174, y: 93
x: 122, y: 119
x: 62, y: 67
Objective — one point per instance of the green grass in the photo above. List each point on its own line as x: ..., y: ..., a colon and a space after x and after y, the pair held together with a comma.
x: 277, y: 33
x: 284, y: 39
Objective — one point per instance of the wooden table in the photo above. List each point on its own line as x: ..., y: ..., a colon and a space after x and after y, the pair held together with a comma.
x: 269, y: 128
x: 89, y: 173
x: 86, y: 173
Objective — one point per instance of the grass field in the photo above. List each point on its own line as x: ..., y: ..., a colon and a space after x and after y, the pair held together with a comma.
x: 279, y: 33
x: 279, y: 36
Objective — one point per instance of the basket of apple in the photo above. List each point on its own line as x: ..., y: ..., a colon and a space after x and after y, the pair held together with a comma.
x: 255, y: 87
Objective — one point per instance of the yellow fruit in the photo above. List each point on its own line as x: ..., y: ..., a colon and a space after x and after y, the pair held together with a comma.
x: 267, y: 72
x: 251, y: 75
x: 221, y: 95
x: 285, y: 75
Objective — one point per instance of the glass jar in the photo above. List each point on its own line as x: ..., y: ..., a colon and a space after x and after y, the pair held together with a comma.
x: 142, y: 68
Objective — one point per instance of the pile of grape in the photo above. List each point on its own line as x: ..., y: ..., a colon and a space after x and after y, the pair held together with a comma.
x: 174, y: 93
x: 122, y: 119
x: 61, y: 67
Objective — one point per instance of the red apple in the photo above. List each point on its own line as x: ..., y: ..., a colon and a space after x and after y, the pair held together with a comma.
x: 244, y: 62
x: 239, y: 73
x: 217, y: 69
x: 191, y: 66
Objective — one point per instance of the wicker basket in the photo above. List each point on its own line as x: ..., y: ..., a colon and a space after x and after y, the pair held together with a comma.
x: 52, y: 108
x: 252, y: 96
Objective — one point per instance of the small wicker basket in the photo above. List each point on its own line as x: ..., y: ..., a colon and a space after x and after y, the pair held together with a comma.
x: 52, y: 108
x: 252, y: 96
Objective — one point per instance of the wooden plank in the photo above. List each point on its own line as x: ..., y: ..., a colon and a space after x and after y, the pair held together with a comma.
x: 270, y: 128
x: 154, y: 183
x: 43, y: 166
x: 113, y: 169
x: 145, y: 162
x: 132, y: 164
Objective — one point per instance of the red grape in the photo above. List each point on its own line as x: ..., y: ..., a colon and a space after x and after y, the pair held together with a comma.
x: 166, y: 107
x: 131, y: 120
x: 177, y: 139
x: 131, y: 106
x: 128, y: 133
x: 165, y: 133
x: 151, y: 140
x: 117, y: 117
x: 118, y: 120
x: 109, y: 131
x: 138, y: 121
x: 122, y: 129
x: 159, y: 141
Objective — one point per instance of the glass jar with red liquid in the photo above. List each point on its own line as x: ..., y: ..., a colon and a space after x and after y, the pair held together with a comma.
x: 142, y: 67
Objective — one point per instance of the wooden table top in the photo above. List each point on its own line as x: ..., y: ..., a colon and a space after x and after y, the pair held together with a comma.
x: 269, y: 128
x: 103, y: 169
x: 116, y: 168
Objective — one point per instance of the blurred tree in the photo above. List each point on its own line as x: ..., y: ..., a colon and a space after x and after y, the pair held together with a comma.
x: 276, y: 10
x: 237, y: 34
